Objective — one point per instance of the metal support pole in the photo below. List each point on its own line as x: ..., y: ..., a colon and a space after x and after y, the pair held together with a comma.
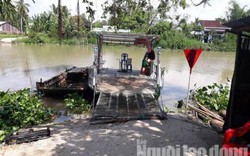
x: 188, y: 87
x: 94, y: 74
x: 95, y: 56
x: 158, y: 72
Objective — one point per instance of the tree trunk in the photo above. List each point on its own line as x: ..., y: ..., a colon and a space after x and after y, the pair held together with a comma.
x: 21, y: 23
x: 60, y: 29
x: 78, y: 16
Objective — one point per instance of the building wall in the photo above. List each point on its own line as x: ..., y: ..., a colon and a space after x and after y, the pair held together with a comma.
x: 9, y: 29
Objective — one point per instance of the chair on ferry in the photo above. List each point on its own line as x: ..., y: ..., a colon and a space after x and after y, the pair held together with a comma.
x: 129, y: 64
x: 123, y: 62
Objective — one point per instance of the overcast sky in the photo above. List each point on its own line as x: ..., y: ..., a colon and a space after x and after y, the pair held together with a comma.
x: 217, y: 8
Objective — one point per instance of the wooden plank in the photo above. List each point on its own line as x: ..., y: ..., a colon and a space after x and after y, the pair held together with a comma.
x: 133, y: 106
x: 27, y: 136
x: 209, y: 111
x: 141, y: 103
x: 151, y: 104
x: 123, y: 107
x: 113, y: 107
x: 203, y: 112
x: 103, y: 103
x: 122, y: 101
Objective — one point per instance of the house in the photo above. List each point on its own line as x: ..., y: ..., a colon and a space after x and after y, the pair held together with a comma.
x: 6, y: 27
x: 212, y: 29
x: 107, y: 28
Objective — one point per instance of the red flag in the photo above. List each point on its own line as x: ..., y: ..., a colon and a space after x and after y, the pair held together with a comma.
x: 192, y: 56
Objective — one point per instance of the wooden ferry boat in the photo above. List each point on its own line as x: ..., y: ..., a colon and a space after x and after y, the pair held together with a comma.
x: 71, y: 81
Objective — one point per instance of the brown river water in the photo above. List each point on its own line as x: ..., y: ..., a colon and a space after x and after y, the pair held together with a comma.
x: 22, y: 65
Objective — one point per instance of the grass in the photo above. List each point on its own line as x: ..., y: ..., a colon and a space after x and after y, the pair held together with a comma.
x: 11, y: 35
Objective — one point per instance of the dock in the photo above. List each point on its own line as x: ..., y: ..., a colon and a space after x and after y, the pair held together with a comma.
x: 125, y: 96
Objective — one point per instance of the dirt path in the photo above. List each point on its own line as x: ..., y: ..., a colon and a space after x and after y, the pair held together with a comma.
x: 79, y: 138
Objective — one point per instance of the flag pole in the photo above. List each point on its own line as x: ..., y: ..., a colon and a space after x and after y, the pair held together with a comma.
x: 189, y: 79
x: 192, y: 56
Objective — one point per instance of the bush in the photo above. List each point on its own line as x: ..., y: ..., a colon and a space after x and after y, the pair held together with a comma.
x: 25, y: 40
x: 4, y: 35
x: 222, y: 46
x: 163, y: 44
x: 159, y: 28
x: 92, y: 37
x: 76, y: 104
x: 175, y: 39
x: 214, y: 96
x: 73, y: 41
x: 37, y: 38
x: 20, y: 109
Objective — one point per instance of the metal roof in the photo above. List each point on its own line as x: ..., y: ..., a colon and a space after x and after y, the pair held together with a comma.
x: 242, y: 24
x: 127, y: 38
x: 2, y: 22
x: 211, y: 23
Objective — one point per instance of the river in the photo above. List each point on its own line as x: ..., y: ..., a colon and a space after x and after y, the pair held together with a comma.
x: 22, y: 65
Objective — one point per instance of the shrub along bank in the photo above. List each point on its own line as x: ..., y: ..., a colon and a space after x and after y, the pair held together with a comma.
x: 20, y: 109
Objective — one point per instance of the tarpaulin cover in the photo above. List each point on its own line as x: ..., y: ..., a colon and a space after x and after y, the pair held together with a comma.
x: 237, y: 140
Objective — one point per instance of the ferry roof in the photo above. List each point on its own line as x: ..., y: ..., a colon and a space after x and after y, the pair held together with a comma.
x: 135, y: 39
x: 242, y: 24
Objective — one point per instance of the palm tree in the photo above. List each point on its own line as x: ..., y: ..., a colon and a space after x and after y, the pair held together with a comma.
x: 78, y: 16
x: 54, y: 9
x: 235, y: 11
x: 22, y: 9
x: 7, y: 10
x: 65, y: 12
x: 60, y: 26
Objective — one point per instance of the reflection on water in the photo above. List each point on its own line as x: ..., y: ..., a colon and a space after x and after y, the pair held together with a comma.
x: 22, y: 65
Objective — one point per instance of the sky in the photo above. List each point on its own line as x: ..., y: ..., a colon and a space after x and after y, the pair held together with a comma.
x: 216, y: 10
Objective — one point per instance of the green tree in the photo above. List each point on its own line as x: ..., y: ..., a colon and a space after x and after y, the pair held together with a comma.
x: 196, y: 25
x: 235, y: 11
x: 160, y: 28
x: 90, y: 11
x: 7, y: 10
x: 54, y: 9
x: 100, y: 24
x: 205, y: 2
x: 22, y: 9
x: 139, y: 15
x: 86, y: 22
x: 197, y: 29
x: 60, y: 25
x: 43, y: 22
x: 46, y: 24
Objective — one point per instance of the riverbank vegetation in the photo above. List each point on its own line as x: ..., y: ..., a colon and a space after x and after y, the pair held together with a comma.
x: 75, y: 103
x: 58, y: 26
x: 215, y: 96
x: 210, y: 106
x: 20, y: 109
x: 4, y: 35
